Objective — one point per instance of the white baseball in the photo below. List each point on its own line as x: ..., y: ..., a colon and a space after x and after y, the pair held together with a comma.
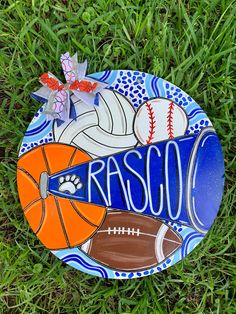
x: 159, y: 119
x: 100, y: 130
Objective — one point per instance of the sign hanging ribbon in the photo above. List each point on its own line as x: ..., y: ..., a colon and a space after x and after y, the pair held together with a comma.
x: 56, y: 94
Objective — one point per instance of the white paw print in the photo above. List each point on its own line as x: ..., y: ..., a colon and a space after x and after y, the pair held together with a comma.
x: 70, y: 184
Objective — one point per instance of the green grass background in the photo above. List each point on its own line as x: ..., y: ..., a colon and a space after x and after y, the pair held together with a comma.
x: 190, y: 43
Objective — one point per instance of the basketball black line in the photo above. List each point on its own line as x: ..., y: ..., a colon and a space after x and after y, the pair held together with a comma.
x: 124, y: 116
x: 26, y: 172
x: 109, y: 112
x: 31, y: 203
x: 42, y: 217
x: 62, y: 222
x: 46, y: 161
x: 72, y: 157
x: 81, y: 215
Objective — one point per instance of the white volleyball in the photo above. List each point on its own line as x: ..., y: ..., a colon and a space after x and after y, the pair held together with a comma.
x: 100, y: 130
x: 159, y: 119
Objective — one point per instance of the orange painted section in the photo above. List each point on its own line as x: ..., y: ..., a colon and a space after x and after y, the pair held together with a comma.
x: 58, y: 224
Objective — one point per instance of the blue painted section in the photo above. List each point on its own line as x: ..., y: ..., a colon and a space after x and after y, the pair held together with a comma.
x: 154, y: 180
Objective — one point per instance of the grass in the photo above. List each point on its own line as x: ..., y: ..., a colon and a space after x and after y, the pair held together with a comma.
x: 190, y: 43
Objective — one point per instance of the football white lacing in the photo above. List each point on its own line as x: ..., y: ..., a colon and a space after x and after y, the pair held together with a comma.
x: 122, y: 230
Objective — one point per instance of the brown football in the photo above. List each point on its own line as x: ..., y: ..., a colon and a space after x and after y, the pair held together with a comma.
x: 130, y: 242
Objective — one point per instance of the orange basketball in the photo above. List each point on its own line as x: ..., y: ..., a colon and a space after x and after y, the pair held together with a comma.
x: 58, y: 222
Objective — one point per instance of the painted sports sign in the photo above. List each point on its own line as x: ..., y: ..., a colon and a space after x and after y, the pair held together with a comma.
x: 124, y: 187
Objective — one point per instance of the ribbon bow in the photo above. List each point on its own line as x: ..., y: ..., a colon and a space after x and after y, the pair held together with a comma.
x: 57, y: 95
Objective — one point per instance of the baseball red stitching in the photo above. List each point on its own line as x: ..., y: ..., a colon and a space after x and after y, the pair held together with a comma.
x: 152, y: 123
x: 170, y: 120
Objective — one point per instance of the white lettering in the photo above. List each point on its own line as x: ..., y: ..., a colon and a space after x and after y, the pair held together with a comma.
x: 118, y: 173
x: 167, y: 180
x: 139, y: 210
x: 152, y: 147
x: 92, y: 176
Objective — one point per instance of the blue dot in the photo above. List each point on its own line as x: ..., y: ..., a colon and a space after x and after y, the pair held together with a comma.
x: 117, y: 274
x: 143, y: 74
x: 120, y: 90
x: 126, y: 93
x: 172, y: 88
x: 116, y: 86
x: 136, y: 91
x: 46, y: 140
x: 196, y: 131
x: 129, y: 74
x: 206, y: 122
x: 131, y: 88
x: 139, y: 274
x: 167, y: 85
x: 123, y: 274
x: 126, y: 86
x: 23, y: 149
x: 124, y: 77
x: 191, y: 128
x: 131, y: 275
x: 180, y: 102
x: 202, y: 122
x: 111, y: 87
x: 185, y: 103
x: 25, y: 145
x: 175, y: 228
x: 119, y: 80
x: 135, y: 99
x: 41, y: 141
x: 32, y: 145
x: 178, y: 90
x: 143, y: 91
x: 196, y: 126
x: 135, y: 105
x: 180, y: 95
x: 159, y: 268
x: 146, y: 272
x: 41, y: 110
x: 184, y: 99
x: 189, y: 98
x: 139, y: 87
x: 180, y: 229
x: 131, y: 95
x: 36, y: 115
x: 164, y: 265
x: 176, y: 99
x: 129, y: 81
x: 140, y: 101
x: 145, y: 98
x: 121, y: 72
x: 35, y: 144
x: 140, y: 95
x: 124, y: 82
x: 168, y: 261
x: 151, y: 271
x: 169, y: 96
x: 136, y: 83
x: 136, y: 73
x: 50, y: 140
x: 175, y: 94
x: 168, y: 92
